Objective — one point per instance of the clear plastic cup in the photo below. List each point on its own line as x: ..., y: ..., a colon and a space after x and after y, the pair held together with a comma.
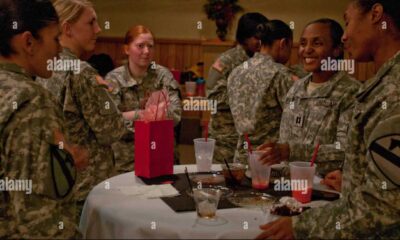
x: 260, y: 173
x: 302, y: 175
x: 204, y: 151
x: 206, y: 200
x: 190, y: 88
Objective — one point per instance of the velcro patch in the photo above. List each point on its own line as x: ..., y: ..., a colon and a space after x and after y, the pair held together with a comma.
x: 385, y: 152
x: 218, y: 66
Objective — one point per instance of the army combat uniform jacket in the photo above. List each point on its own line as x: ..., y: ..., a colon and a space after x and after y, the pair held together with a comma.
x: 28, y: 119
x: 129, y: 95
x: 222, y: 127
x: 369, y: 207
x: 92, y: 120
x: 257, y: 90
x: 323, y: 116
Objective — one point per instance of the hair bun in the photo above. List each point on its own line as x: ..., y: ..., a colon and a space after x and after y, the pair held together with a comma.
x: 261, y: 27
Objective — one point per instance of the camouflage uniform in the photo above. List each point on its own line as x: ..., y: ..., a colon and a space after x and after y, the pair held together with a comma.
x: 128, y: 93
x: 322, y: 116
x: 28, y: 119
x: 369, y: 207
x: 222, y: 127
x: 298, y: 71
x: 92, y: 119
x: 258, y: 114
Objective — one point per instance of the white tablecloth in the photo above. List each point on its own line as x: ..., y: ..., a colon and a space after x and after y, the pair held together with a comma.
x: 110, y: 214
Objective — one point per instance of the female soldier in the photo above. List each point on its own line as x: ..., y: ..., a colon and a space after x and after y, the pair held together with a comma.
x: 222, y: 127
x: 369, y: 205
x: 91, y: 116
x: 31, y: 128
x: 268, y: 81
x: 318, y: 107
x: 132, y: 82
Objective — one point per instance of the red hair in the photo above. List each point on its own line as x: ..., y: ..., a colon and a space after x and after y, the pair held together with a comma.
x: 134, y: 32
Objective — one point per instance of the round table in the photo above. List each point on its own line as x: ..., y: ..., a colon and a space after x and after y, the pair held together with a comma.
x: 110, y: 214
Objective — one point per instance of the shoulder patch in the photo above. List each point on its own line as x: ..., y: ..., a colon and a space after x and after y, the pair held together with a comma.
x: 218, y: 66
x: 384, y: 149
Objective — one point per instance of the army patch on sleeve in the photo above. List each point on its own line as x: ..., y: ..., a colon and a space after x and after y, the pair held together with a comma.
x: 384, y: 149
x: 218, y: 66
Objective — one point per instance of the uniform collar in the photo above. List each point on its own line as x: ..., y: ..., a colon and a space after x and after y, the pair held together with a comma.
x: 241, y: 51
x: 131, y: 81
x: 373, y: 82
x: 264, y: 57
x: 321, y: 92
x: 12, y: 67
x: 67, y: 53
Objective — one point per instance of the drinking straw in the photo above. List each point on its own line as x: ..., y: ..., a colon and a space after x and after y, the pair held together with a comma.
x: 188, y: 179
x: 230, y: 172
x: 206, y: 130
x: 315, y: 154
x: 248, y: 143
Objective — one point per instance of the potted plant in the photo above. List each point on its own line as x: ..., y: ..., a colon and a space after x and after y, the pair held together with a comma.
x: 223, y: 12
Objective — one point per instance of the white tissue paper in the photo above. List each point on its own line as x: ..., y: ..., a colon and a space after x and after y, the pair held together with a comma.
x: 150, y: 191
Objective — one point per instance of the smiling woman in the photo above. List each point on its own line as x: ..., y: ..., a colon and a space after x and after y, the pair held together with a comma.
x: 133, y: 82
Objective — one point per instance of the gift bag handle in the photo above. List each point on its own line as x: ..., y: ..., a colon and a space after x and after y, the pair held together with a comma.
x: 158, y: 102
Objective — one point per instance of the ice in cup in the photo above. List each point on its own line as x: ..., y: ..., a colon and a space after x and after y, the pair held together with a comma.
x: 238, y: 171
x: 260, y: 173
x: 206, y: 200
x: 301, y: 177
x: 204, y: 151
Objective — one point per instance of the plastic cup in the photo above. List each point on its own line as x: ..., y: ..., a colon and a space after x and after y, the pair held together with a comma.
x: 302, y: 175
x: 190, y: 88
x: 204, y: 151
x: 260, y: 173
x: 238, y: 171
x: 206, y: 200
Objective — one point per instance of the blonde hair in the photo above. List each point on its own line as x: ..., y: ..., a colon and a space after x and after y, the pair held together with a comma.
x: 70, y: 10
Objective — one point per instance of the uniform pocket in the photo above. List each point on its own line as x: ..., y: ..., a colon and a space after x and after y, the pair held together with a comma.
x: 316, y: 126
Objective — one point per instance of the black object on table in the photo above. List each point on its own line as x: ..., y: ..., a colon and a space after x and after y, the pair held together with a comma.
x: 185, y: 203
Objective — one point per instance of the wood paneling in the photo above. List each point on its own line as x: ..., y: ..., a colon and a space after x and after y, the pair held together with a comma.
x: 182, y: 53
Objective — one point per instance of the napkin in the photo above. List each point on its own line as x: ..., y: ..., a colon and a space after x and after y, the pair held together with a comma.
x: 150, y: 191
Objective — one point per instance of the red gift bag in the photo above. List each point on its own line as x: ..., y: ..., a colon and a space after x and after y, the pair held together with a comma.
x: 154, y: 148
x: 154, y: 139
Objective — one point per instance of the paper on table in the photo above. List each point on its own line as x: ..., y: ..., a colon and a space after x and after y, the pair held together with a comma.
x: 151, y: 191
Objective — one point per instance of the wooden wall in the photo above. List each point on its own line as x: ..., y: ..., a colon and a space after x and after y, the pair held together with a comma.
x: 180, y: 54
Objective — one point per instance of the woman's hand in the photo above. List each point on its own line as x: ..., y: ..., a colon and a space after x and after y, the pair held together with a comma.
x: 274, y: 153
x: 333, y: 180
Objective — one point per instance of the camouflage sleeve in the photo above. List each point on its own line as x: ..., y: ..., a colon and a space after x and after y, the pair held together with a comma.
x: 98, y: 109
x: 371, y: 209
x: 362, y: 214
x: 283, y: 84
x: 220, y: 94
x: 213, y: 76
x: 330, y: 156
x: 175, y: 107
x: 116, y: 96
x: 26, y: 158
x: 116, y: 88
